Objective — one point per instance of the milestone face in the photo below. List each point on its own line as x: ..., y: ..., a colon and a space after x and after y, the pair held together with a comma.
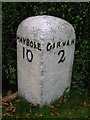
x: 45, y: 53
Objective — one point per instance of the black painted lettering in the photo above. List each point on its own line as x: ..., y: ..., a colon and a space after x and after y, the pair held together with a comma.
x: 58, y: 44
x: 72, y: 42
x: 39, y: 46
x: 62, y: 58
x: 64, y: 43
x: 17, y: 37
x: 27, y: 42
x: 35, y: 45
x: 20, y: 39
x: 53, y: 45
x: 31, y: 44
x: 68, y: 42
x: 49, y: 46
x: 29, y: 55
x: 23, y: 52
x: 24, y: 40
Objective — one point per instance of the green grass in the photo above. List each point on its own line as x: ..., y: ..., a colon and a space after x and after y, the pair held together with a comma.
x: 71, y: 107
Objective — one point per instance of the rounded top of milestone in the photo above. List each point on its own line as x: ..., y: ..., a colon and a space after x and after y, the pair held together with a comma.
x: 46, y: 23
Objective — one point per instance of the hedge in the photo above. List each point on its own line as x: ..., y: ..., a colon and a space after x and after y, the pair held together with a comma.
x: 75, y: 13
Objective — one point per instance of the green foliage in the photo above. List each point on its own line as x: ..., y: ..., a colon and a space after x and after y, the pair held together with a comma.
x: 69, y: 107
x: 75, y: 13
x: 22, y: 108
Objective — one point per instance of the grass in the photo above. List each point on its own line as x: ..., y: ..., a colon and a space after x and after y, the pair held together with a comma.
x: 71, y: 106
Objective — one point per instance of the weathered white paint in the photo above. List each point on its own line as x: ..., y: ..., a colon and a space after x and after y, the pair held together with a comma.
x: 42, y: 79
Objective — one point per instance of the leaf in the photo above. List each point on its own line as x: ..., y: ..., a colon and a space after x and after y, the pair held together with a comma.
x: 38, y: 115
x: 6, y: 114
x: 10, y: 107
x: 59, y: 102
x: 5, y: 104
x: 54, y: 112
x: 14, y: 109
x: 52, y: 109
x: 10, y: 97
x: 28, y: 115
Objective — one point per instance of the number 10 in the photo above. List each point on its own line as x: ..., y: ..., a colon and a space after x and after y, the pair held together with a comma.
x: 28, y: 54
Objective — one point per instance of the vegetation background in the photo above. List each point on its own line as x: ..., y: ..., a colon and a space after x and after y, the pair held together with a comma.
x: 77, y: 14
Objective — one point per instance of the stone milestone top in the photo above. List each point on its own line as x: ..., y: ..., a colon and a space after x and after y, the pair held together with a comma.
x: 38, y: 27
x: 45, y: 53
x: 45, y: 25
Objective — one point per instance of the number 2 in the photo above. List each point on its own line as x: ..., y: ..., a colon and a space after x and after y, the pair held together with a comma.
x: 62, y: 52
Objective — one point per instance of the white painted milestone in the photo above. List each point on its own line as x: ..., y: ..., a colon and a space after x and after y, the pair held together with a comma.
x: 45, y: 54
